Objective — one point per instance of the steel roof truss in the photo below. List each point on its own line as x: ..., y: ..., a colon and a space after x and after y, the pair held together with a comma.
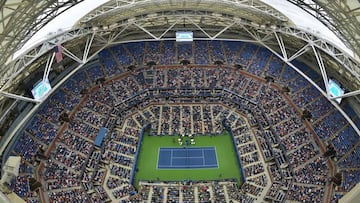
x: 114, y: 5
x: 254, y: 36
x: 88, y: 44
x: 322, y: 70
x: 349, y: 94
x: 198, y: 26
x: 223, y: 30
x: 167, y: 30
x: 267, y: 37
x: 146, y: 31
x: 300, y: 52
x: 281, y: 45
x: 349, y: 64
x: 71, y: 55
x: 117, y: 34
x: 101, y: 38
x: 18, y: 97
x: 7, y: 110
x: 48, y: 66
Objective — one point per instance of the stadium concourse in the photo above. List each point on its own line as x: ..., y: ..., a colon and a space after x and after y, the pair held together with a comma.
x: 286, y: 157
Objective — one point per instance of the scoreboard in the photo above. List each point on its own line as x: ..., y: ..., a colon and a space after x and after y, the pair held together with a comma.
x: 41, y: 89
x: 184, y: 36
x: 335, y: 89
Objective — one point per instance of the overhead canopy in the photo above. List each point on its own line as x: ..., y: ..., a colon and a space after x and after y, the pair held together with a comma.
x: 304, y: 14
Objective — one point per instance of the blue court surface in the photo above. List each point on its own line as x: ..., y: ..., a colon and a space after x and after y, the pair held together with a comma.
x: 189, y: 157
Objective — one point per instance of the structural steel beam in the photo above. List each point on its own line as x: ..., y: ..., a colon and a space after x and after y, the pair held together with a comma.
x: 118, y: 5
x: 300, y: 52
x: 338, y: 16
x: 281, y: 45
x: 322, y: 70
x: 146, y: 31
x: 18, y: 97
x: 349, y: 94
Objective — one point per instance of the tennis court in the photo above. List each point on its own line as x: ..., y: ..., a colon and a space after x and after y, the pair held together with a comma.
x: 188, y: 157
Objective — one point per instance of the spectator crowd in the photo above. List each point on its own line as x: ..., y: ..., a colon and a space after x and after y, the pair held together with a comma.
x: 195, y: 99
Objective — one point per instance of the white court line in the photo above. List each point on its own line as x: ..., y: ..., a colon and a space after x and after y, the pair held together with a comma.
x: 186, y: 148
x: 171, y: 157
x: 203, y: 157
x: 188, y: 166
x: 187, y: 157
x: 158, y: 159
x: 217, y: 162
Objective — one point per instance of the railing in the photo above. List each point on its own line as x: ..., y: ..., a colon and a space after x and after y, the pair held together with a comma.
x: 242, y: 174
x: 134, y: 168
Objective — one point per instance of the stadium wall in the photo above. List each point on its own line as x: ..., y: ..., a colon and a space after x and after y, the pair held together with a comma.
x: 134, y: 169
x: 14, y: 139
x: 242, y: 174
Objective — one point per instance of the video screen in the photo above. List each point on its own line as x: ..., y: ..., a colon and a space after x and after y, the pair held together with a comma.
x: 335, y: 89
x: 184, y: 36
x: 41, y: 89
